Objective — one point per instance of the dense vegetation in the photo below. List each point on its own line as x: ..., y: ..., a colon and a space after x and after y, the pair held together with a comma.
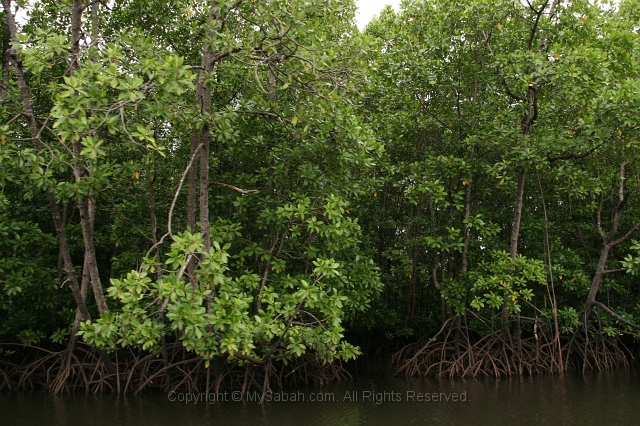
x: 219, y: 192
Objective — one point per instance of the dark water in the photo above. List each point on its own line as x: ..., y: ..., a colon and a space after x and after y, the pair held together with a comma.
x: 591, y: 399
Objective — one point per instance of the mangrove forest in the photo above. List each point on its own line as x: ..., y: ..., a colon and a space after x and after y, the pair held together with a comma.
x: 204, y: 195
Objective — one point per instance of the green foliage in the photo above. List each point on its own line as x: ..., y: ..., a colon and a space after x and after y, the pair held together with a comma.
x: 631, y: 262
x: 30, y: 337
x: 568, y: 317
x: 339, y: 161
x: 220, y: 316
x: 60, y: 335
x: 505, y: 280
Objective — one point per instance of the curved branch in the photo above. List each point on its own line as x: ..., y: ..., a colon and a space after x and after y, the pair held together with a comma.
x: 626, y: 236
x: 175, y: 199
x: 614, y: 315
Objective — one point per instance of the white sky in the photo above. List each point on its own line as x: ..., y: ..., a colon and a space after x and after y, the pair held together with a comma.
x: 368, y: 8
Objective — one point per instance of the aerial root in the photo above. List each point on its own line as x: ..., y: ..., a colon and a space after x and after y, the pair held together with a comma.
x: 458, y: 351
x: 84, y: 369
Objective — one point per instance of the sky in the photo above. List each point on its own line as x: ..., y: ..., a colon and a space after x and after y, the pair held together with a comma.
x: 368, y: 8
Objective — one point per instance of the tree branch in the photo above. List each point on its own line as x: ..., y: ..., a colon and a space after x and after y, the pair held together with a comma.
x: 235, y: 188
x: 249, y: 358
x: 626, y: 236
x: 613, y: 271
x: 571, y: 155
x: 616, y: 316
x: 175, y: 199
x: 535, y: 24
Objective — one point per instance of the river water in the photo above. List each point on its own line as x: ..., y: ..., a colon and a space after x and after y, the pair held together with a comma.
x: 576, y: 399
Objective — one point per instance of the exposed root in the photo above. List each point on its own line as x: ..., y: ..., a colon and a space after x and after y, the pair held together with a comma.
x: 84, y: 369
x: 457, y: 350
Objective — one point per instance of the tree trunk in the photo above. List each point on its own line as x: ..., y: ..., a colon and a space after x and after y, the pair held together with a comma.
x: 597, y: 279
x: 86, y: 205
x: 467, y: 230
x: 515, y: 235
x: 87, y: 212
x: 152, y: 216
x: 517, y: 215
x: 27, y: 105
x: 203, y: 137
x: 6, y: 41
x: 609, y: 242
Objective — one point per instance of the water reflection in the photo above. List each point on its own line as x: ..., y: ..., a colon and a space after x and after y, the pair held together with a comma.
x: 597, y: 398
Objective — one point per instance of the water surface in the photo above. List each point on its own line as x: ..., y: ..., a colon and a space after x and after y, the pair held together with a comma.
x: 576, y: 399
